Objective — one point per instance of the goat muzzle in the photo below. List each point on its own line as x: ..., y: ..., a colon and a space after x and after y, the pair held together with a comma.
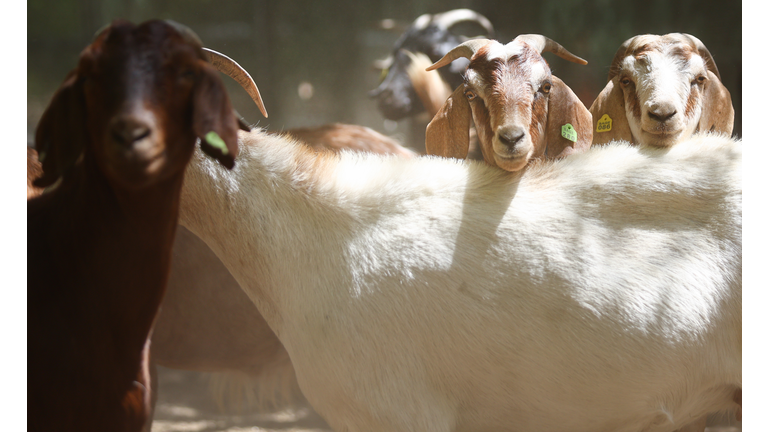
x: 126, y: 131
x: 510, y: 136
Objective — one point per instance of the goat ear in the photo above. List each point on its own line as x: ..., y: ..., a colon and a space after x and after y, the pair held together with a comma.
x: 61, y: 133
x: 609, y: 118
x: 717, y: 112
x: 566, y: 108
x: 214, y: 120
x: 448, y: 133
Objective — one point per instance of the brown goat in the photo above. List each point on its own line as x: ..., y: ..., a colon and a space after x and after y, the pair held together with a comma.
x: 521, y: 111
x: 118, y: 134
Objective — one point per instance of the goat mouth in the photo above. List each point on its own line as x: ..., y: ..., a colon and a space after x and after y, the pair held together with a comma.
x: 511, y: 162
x: 663, y: 134
x: 661, y: 138
x: 137, y: 168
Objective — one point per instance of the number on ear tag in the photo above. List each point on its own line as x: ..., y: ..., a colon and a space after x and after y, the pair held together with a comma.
x: 604, y: 124
x: 568, y: 132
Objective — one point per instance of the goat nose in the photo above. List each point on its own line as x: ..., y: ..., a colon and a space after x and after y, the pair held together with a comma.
x: 661, y: 115
x: 126, y: 131
x: 510, y: 136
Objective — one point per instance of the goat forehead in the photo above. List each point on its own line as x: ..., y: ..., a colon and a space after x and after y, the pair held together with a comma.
x: 664, y: 58
x: 519, y: 69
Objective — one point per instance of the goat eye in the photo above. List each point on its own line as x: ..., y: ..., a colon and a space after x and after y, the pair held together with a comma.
x: 546, y: 88
x: 626, y: 81
x: 699, y: 80
x: 470, y: 94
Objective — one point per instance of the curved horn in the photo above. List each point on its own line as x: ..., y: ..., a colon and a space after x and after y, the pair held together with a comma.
x: 704, y: 53
x: 230, y: 67
x: 446, y: 20
x: 466, y: 50
x: 544, y: 44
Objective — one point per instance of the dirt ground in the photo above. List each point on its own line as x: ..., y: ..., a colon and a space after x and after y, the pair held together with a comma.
x: 186, y: 404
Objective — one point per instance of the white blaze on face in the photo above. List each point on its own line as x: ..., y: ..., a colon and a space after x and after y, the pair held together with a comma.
x: 662, y: 90
x: 508, y: 101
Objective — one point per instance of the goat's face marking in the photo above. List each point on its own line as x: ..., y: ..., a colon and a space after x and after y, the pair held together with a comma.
x: 511, y: 84
x: 662, y: 84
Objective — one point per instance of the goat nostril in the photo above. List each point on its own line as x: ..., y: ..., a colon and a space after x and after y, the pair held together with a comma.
x: 127, y: 133
x: 510, y: 137
x: 661, y: 117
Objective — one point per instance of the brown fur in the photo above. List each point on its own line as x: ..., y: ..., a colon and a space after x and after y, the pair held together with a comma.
x: 446, y: 134
x: 692, y: 102
x: 34, y: 171
x: 337, y: 137
x: 99, y: 244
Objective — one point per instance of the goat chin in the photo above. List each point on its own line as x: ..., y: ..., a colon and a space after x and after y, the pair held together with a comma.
x: 445, y: 295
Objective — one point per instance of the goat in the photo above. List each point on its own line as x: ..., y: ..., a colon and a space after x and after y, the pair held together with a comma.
x: 208, y: 324
x: 116, y: 137
x: 337, y: 137
x: 407, y: 89
x: 428, y: 36
x: 599, y: 292
x: 661, y: 89
x: 520, y: 110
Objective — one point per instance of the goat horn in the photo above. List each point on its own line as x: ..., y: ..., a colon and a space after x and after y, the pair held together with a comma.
x: 704, y: 52
x: 544, y: 44
x: 466, y: 50
x: 448, y: 19
x: 230, y: 67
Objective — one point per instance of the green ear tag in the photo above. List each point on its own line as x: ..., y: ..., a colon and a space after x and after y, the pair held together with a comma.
x: 568, y: 132
x: 215, y: 140
x: 604, y: 124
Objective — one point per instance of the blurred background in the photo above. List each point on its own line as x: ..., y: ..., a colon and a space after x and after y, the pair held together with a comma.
x: 313, y: 60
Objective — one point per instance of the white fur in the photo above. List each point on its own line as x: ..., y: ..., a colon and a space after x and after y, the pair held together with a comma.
x: 663, y: 85
x: 600, y: 292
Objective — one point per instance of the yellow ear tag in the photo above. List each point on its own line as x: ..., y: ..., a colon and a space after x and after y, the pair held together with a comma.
x: 568, y: 132
x: 604, y: 124
x: 215, y: 140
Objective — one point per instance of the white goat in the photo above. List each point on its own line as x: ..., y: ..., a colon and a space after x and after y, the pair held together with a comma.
x: 661, y: 89
x: 521, y: 111
x: 600, y: 292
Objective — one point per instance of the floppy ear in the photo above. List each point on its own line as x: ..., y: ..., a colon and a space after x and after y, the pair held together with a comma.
x: 565, y: 107
x: 60, y: 136
x: 448, y: 133
x: 214, y: 121
x: 717, y: 111
x: 610, y: 105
